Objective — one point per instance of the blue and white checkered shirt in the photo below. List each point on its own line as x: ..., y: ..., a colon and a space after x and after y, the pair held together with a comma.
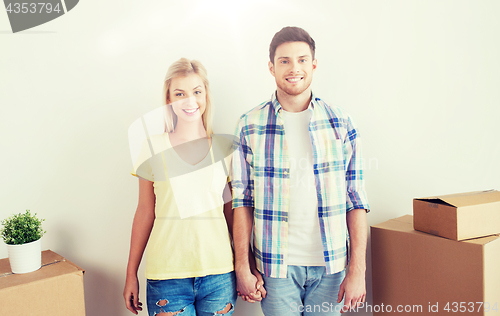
x: 260, y: 179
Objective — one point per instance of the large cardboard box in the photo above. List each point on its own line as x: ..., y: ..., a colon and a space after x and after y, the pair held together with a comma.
x: 422, y: 274
x: 55, y: 289
x: 459, y: 216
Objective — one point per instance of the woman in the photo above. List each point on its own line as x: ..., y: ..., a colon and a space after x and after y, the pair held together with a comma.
x: 181, y: 215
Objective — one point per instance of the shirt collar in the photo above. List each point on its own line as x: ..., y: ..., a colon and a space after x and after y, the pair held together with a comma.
x: 277, y: 106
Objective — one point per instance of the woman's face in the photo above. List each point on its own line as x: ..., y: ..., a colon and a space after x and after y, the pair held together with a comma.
x: 188, y: 97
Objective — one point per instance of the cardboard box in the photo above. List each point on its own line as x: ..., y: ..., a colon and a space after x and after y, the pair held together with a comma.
x: 458, y: 216
x: 55, y: 289
x: 422, y: 274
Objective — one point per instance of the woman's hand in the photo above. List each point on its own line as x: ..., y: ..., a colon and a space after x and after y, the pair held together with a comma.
x: 131, y: 294
x: 251, y: 286
x: 260, y: 283
x: 247, y: 286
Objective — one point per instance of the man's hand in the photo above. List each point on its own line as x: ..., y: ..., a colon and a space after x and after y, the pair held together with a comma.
x: 352, y: 289
x: 251, y: 286
x: 250, y: 283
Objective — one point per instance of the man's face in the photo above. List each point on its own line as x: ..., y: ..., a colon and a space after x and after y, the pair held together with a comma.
x: 293, y: 68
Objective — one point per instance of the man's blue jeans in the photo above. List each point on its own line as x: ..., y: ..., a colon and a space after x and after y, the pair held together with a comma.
x: 201, y: 296
x: 306, y: 291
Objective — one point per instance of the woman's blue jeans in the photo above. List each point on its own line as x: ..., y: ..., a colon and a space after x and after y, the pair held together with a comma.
x: 202, y: 296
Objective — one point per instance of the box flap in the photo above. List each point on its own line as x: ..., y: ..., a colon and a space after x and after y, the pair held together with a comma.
x: 481, y: 240
x: 52, y: 265
x: 403, y: 223
x: 465, y: 199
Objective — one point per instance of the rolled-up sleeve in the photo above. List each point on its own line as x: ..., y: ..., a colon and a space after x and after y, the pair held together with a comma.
x: 356, y: 195
x: 241, y: 170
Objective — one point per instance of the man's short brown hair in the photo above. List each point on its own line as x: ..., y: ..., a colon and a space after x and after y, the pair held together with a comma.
x: 290, y: 34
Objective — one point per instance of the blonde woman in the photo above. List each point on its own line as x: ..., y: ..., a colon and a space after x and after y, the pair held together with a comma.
x: 181, y: 216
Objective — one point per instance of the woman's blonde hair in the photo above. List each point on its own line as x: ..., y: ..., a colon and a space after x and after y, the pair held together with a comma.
x: 181, y: 68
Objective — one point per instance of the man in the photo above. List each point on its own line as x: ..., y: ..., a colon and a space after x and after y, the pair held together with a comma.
x: 297, y: 181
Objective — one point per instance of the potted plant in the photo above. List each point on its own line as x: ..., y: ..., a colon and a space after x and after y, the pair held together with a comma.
x: 22, y: 233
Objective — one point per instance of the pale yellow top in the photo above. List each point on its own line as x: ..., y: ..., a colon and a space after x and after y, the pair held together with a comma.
x: 190, y: 236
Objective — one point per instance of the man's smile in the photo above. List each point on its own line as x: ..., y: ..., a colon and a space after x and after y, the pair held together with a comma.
x: 294, y: 79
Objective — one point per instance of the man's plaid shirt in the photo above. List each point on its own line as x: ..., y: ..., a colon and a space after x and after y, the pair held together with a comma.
x: 260, y: 179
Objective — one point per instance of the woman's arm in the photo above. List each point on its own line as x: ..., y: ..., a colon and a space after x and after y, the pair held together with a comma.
x: 141, y: 229
x: 228, y: 208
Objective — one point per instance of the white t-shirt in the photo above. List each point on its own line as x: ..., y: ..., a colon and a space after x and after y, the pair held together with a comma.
x: 305, y: 247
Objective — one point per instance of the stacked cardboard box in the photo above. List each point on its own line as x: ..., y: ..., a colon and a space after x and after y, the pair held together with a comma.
x: 459, y: 216
x: 417, y: 272
x: 55, y: 289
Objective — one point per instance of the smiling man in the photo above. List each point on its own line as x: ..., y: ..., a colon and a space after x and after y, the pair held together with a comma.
x: 298, y: 183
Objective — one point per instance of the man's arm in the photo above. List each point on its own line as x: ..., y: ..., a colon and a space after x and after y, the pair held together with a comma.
x: 249, y: 279
x: 353, y: 288
x: 244, y: 260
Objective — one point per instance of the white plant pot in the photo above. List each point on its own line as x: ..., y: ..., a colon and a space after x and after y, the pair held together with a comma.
x: 26, y: 257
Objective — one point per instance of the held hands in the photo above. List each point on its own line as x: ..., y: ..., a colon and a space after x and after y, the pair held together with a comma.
x: 353, y: 290
x: 251, y: 286
x: 131, y: 294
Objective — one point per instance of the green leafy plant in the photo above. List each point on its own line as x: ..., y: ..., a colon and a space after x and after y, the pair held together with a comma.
x: 22, y: 228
